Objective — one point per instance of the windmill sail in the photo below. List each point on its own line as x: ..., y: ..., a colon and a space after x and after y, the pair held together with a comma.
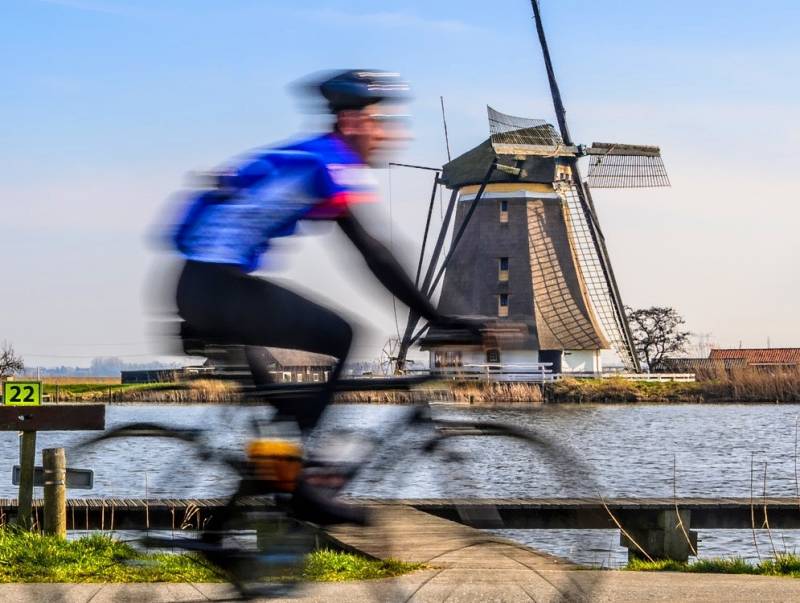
x: 595, y: 280
x: 511, y: 135
x: 625, y: 166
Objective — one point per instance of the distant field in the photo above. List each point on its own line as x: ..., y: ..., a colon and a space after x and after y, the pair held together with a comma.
x: 73, y: 380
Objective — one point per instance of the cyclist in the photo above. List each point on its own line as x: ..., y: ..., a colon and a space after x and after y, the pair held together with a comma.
x: 228, y: 228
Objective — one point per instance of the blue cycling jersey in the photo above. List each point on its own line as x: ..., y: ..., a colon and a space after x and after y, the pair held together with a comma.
x: 265, y: 196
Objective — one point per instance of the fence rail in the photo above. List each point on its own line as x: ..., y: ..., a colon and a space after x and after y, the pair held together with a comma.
x: 539, y: 372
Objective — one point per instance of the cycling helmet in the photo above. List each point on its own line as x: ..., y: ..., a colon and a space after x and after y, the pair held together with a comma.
x: 357, y: 88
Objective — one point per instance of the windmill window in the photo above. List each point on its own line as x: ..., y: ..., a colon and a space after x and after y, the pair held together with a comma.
x: 502, y: 305
x: 503, y: 212
x: 502, y: 274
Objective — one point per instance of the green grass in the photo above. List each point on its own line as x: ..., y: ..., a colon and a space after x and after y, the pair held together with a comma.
x: 31, y: 557
x: 334, y: 566
x: 787, y: 564
x: 101, y: 388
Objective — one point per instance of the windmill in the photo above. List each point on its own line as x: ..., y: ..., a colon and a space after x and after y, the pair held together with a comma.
x: 527, y: 238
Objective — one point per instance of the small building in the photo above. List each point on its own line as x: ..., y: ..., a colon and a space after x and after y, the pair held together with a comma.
x: 296, y: 366
x: 284, y: 366
x: 765, y: 359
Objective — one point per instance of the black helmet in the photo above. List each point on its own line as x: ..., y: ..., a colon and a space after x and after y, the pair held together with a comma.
x: 357, y: 88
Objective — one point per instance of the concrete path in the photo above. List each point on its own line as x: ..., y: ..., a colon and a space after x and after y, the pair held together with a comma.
x: 453, y: 587
x: 401, y: 532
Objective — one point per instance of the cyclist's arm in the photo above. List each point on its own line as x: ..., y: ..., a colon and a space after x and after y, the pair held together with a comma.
x: 386, y: 268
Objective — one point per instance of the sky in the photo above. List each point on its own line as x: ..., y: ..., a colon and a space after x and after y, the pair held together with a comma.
x: 108, y: 106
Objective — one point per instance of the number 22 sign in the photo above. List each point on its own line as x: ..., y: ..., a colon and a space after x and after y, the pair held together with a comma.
x: 22, y: 393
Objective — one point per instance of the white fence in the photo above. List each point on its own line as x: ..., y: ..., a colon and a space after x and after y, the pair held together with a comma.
x: 541, y: 372
x: 687, y: 377
x: 538, y: 372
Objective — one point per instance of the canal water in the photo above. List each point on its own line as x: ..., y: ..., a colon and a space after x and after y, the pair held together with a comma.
x: 588, y: 451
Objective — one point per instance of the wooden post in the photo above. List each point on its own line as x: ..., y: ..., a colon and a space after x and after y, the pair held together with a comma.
x: 54, y: 463
x: 27, y: 459
x: 661, y: 536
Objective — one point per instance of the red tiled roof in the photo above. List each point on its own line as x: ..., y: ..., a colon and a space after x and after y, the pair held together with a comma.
x: 759, y: 355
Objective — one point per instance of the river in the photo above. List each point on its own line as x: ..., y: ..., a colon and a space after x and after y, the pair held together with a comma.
x: 628, y: 449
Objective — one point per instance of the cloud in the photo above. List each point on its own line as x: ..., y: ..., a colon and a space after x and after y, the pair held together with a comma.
x: 389, y: 20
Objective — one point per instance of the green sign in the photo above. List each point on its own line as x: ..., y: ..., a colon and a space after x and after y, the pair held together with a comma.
x: 22, y: 393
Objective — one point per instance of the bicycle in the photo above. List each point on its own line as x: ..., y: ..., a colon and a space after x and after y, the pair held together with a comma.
x: 262, y: 534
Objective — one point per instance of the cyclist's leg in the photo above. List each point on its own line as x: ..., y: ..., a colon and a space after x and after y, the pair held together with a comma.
x: 226, y: 303
x: 223, y: 301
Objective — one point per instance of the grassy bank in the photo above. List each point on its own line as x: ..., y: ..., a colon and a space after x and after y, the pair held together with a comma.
x: 783, y: 565
x: 741, y: 386
x: 472, y: 392
x: 31, y: 557
x: 736, y: 386
x: 175, y: 393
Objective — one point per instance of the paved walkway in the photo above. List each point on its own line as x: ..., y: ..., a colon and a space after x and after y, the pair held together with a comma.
x: 401, y: 532
x: 453, y: 586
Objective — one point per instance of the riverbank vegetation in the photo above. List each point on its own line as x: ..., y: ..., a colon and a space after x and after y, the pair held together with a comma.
x: 467, y: 392
x: 787, y: 564
x: 733, y: 386
x: 201, y: 390
x: 738, y: 385
x: 32, y: 557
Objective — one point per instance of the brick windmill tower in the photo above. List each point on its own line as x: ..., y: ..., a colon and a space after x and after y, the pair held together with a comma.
x: 527, y: 246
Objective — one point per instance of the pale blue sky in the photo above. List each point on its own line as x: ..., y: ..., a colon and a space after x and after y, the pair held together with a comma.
x: 106, y: 105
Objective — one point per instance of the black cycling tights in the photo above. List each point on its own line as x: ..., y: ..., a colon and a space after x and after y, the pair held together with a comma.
x: 222, y: 302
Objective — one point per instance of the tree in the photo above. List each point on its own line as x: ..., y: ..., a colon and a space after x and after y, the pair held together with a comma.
x: 10, y: 363
x: 106, y: 366
x: 657, y: 334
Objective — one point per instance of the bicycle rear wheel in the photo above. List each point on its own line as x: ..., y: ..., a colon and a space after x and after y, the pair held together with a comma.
x: 466, y: 468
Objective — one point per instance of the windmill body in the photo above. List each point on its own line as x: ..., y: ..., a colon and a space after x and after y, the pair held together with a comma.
x: 532, y: 253
x: 517, y: 262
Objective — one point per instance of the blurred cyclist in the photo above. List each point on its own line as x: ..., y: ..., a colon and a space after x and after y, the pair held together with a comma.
x: 228, y: 227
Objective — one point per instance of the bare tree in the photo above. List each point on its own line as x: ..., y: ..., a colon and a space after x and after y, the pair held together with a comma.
x: 10, y: 363
x: 657, y: 334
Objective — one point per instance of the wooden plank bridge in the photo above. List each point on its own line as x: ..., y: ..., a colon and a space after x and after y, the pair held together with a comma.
x: 523, y: 513
x: 596, y: 513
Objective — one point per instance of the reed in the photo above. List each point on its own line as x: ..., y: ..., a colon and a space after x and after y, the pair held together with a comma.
x: 596, y: 390
x: 490, y: 392
x: 751, y: 385
x: 392, y: 396
x: 738, y: 385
